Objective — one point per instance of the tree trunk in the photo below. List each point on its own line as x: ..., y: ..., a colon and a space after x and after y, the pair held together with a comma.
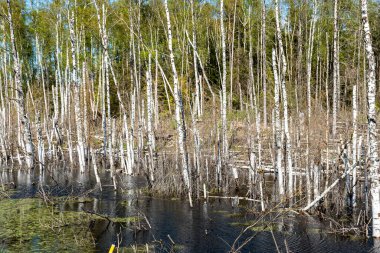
x: 224, y: 89
x: 28, y: 147
x: 197, y: 88
x: 232, y: 43
x: 77, y: 108
x: 150, y: 108
x: 336, y: 68
x: 179, y: 110
x: 327, y: 113
x: 278, y: 143
x: 264, y: 62
x: 282, y: 80
x: 371, y: 101
x: 251, y: 79
x: 354, y: 141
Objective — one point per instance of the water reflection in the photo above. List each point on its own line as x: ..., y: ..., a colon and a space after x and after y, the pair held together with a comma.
x: 207, y: 227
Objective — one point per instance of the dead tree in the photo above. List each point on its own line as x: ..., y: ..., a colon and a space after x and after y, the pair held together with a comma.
x: 24, y: 128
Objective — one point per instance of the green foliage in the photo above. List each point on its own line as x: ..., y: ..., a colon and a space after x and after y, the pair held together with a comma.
x: 137, y: 30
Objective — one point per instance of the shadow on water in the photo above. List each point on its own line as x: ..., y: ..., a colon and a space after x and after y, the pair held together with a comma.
x: 207, y: 227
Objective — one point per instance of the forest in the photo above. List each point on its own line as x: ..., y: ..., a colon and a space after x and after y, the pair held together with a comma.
x: 131, y: 125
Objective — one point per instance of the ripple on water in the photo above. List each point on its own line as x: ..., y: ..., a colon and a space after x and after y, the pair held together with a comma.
x: 203, y: 228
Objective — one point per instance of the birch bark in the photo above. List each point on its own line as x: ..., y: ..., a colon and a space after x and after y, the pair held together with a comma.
x: 224, y: 89
x: 21, y: 109
x: 77, y: 108
x: 251, y: 78
x: 354, y: 141
x: 264, y: 62
x: 282, y: 80
x: 371, y: 115
x: 308, y: 74
x: 231, y: 61
x: 278, y: 143
x: 150, y: 106
x: 197, y: 88
x: 179, y: 111
x: 335, y: 73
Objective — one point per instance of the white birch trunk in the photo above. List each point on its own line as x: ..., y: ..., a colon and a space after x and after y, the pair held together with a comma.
x: 197, y: 87
x: 104, y: 83
x: 231, y: 60
x: 278, y: 143
x: 251, y: 78
x: 39, y: 61
x: 308, y: 74
x: 41, y: 149
x: 21, y: 109
x: 309, y: 61
x: 84, y: 84
x: 316, y: 179
x: 264, y: 62
x: 70, y: 145
x: 156, y: 111
x: 327, y: 113
x: 196, y: 148
x: 107, y: 120
x: 3, y: 145
x: 123, y: 162
x: 371, y: 101
x: 129, y: 163
x: 179, y: 110
x: 282, y: 79
x: 150, y: 108
x: 335, y: 73
x: 224, y: 89
x: 106, y: 60
x: 354, y: 141
x: 104, y: 115
x: 95, y: 167
x: 77, y: 107
x: 132, y: 130
x: 252, y: 169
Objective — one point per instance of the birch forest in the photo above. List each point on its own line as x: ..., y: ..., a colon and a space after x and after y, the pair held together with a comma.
x: 259, y: 116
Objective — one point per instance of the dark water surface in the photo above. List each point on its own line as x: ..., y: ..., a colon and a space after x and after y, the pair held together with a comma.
x: 207, y: 227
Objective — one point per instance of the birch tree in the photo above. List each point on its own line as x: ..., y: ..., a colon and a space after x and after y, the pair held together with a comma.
x: 77, y: 107
x: 308, y: 76
x: 196, y: 76
x: 371, y: 116
x: 264, y: 61
x: 24, y: 129
x: 106, y: 86
x: 354, y: 141
x: 335, y: 73
x: 282, y: 81
x: 277, y: 127
x: 255, y: 104
x: 231, y: 60
x: 355, y: 151
x: 179, y: 110
x: 224, y: 80
x: 150, y: 108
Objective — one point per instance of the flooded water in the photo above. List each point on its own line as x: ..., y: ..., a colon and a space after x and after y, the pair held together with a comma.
x: 207, y: 227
